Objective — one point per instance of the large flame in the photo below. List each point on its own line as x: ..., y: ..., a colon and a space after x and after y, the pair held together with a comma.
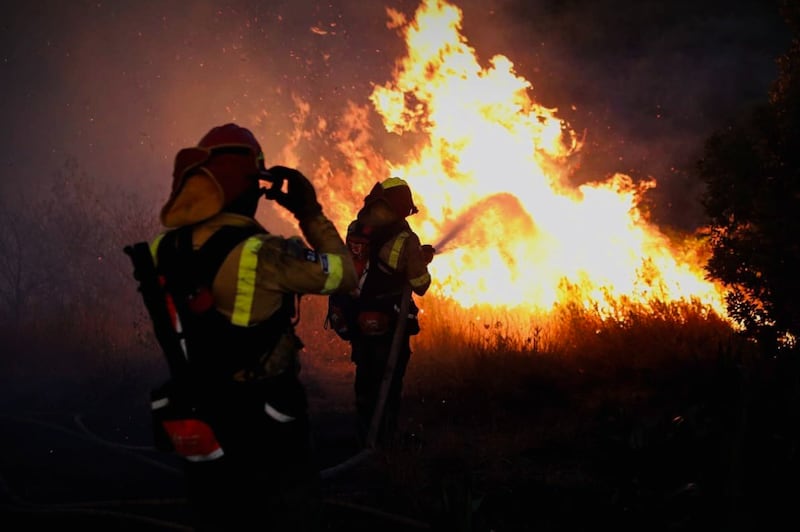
x: 489, y: 172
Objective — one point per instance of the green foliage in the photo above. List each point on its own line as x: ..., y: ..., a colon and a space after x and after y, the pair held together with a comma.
x: 752, y: 174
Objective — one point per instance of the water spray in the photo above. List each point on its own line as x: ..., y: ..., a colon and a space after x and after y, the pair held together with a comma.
x: 455, y: 227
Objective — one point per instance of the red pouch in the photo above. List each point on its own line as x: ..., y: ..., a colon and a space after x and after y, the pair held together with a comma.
x: 373, y: 323
x: 176, y: 427
x: 193, y: 439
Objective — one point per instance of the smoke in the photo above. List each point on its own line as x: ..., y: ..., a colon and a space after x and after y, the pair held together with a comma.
x: 117, y: 88
x: 647, y: 81
x: 120, y: 87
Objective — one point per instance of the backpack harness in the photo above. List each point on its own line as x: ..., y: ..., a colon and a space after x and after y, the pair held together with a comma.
x: 214, y: 348
x: 371, y: 309
x: 201, y: 346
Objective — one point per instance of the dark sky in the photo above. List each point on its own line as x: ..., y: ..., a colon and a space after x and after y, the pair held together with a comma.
x: 119, y: 86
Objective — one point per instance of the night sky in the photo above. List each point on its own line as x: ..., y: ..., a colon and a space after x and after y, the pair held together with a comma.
x: 119, y: 87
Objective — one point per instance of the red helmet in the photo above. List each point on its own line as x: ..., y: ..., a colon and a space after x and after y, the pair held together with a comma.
x: 227, y: 162
x: 230, y: 135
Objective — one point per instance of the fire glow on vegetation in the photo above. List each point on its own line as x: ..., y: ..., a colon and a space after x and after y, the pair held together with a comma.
x: 491, y: 180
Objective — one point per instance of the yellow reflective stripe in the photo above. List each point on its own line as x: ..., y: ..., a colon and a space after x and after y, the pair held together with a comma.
x: 421, y: 280
x: 246, y: 282
x: 335, y: 273
x: 394, y: 254
x: 154, y: 247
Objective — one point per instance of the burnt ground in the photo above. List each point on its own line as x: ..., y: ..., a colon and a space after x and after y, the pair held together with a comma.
x: 556, y: 460
x: 97, y: 471
x: 76, y: 457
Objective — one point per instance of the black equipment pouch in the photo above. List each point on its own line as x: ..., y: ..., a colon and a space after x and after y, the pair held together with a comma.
x: 342, y: 315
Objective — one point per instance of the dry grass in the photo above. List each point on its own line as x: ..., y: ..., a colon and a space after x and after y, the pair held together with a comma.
x: 655, y: 417
x: 644, y: 417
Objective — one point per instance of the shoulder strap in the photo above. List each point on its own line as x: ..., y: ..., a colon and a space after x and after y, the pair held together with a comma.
x: 176, y: 253
x: 381, y: 281
x: 382, y: 235
x: 216, y: 249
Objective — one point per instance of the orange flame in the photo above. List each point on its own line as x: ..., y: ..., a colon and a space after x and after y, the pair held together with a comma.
x: 489, y: 174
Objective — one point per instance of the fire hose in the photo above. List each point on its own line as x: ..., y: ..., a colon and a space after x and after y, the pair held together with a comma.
x: 386, y: 383
x: 388, y: 372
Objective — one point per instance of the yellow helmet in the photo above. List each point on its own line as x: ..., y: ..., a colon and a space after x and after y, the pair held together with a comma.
x: 397, y: 194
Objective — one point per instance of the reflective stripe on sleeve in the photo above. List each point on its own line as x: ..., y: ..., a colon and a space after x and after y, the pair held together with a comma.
x: 397, y: 246
x: 335, y: 273
x: 246, y: 283
x: 421, y: 280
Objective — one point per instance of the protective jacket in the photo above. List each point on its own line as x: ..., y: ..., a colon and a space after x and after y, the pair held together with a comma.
x: 255, y: 336
x: 399, y: 253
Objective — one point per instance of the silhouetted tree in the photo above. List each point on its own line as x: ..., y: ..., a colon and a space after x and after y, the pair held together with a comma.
x: 65, y: 283
x: 20, y: 284
x: 752, y: 174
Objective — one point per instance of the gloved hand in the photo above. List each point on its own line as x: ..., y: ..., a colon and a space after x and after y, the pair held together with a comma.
x: 300, y: 197
x: 428, y: 252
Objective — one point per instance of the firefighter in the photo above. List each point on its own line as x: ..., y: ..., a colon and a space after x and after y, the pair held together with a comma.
x: 396, y: 261
x: 258, y: 471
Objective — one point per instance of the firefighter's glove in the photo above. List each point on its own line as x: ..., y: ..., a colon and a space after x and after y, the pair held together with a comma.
x: 300, y: 197
x: 428, y: 252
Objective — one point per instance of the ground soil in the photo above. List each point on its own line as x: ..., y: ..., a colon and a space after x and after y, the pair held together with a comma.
x: 559, y: 460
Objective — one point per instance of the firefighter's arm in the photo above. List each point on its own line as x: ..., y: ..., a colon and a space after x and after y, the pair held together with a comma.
x: 325, y: 241
x: 417, y: 259
x: 289, y: 265
x: 333, y: 261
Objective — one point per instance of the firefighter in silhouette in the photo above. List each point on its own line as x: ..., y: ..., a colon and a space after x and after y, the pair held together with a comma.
x: 236, y: 409
x: 391, y: 264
